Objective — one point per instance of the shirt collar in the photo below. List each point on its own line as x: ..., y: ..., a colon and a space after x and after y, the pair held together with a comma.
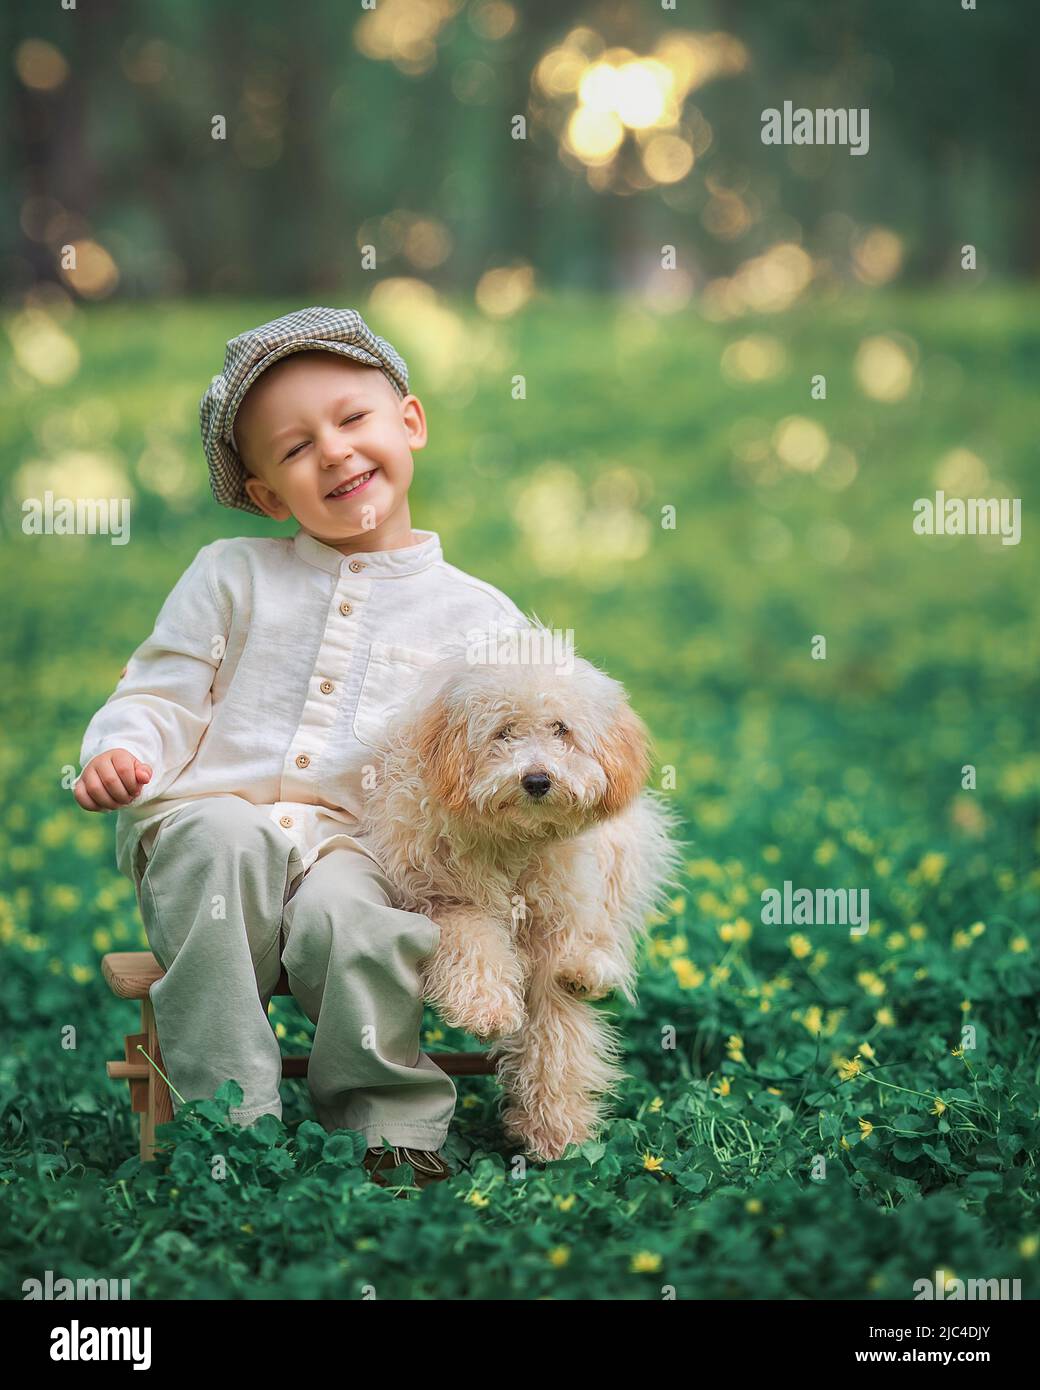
x: 377, y: 564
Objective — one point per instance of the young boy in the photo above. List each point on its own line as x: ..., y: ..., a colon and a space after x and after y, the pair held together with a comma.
x: 235, y: 745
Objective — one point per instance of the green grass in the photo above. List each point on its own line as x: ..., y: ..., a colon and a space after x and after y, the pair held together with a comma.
x: 844, y: 772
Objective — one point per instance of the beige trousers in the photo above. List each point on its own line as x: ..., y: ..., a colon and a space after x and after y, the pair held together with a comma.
x: 221, y: 888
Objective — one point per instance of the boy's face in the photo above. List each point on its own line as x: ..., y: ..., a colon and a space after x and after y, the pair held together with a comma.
x: 315, y: 421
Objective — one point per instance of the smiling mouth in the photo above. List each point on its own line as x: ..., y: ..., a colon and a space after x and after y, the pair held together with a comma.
x: 351, y: 484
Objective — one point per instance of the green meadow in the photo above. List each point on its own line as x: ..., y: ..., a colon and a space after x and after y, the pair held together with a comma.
x: 808, y: 1113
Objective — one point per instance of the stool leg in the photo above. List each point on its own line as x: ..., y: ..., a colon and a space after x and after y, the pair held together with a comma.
x: 159, y: 1108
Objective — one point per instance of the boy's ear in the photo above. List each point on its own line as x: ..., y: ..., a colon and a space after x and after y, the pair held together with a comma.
x: 266, y: 499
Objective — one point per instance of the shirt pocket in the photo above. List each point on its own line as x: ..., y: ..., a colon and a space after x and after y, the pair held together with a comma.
x: 392, y: 675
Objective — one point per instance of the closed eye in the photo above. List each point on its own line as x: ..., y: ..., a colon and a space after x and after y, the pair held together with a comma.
x: 505, y: 731
x: 303, y: 444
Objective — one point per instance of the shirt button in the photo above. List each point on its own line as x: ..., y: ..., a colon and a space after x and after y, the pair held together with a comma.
x: 326, y: 687
x: 302, y: 760
x: 356, y: 566
x: 286, y: 821
x: 345, y: 609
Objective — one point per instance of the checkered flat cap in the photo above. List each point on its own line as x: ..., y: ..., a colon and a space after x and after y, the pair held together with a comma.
x: 334, y: 330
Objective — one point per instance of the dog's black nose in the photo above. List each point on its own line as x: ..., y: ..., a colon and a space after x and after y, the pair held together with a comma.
x: 536, y: 784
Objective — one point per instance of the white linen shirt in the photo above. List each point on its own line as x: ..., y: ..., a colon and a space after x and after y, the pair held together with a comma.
x: 271, y: 673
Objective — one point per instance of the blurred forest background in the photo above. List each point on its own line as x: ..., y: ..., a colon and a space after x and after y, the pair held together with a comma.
x: 393, y: 127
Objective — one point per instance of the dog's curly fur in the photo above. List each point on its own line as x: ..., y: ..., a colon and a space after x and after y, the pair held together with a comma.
x: 509, y: 807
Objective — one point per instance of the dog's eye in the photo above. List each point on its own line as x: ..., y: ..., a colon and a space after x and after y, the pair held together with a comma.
x: 559, y: 728
x: 505, y: 731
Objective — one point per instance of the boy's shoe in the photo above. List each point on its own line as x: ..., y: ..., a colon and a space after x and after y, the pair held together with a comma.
x: 427, y: 1165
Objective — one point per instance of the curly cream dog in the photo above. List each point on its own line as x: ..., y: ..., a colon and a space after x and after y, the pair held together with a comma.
x: 509, y: 808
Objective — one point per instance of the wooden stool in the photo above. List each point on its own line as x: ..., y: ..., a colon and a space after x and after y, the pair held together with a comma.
x: 130, y: 975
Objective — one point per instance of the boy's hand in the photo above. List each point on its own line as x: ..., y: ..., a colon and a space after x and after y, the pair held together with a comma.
x: 111, y: 780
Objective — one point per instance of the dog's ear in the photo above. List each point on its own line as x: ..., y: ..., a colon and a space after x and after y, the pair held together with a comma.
x: 624, y: 754
x: 444, y: 757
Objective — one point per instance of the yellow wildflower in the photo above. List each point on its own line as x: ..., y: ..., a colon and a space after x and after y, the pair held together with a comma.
x: 559, y: 1255
x: 886, y: 1018
x: 477, y: 1199
x: 865, y: 1129
x: 977, y: 928
x: 652, y: 1162
x: 64, y: 897
x: 687, y: 973
x: 931, y: 867
x: 1019, y: 944
x: 825, y: 851
x: 704, y: 868
x: 812, y: 1019
x: 918, y: 931
x: 848, y: 1068
x: 1028, y: 1246
x: 800, y: 946
x: 771, y: 854
x: 655, y: 1105
x: 723, y: 1088
x: 753, y: 1205
x: 565, y: 1203
x: 867, y: 1051
x: 710, y: 904
x: 645, y: 1262
x: 938, y: 1107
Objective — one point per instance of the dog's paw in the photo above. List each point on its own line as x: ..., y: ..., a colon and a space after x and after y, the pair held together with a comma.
x: 544, y: 1141
x: 594, y: 976
x: 488, y: 1015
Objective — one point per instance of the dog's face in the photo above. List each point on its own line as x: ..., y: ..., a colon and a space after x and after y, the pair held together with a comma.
x: 532, y: 748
